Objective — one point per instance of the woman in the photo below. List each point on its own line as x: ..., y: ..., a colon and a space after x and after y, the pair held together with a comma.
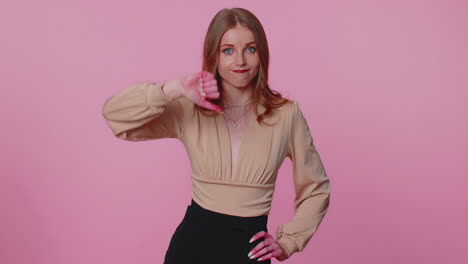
x: 237, y: 132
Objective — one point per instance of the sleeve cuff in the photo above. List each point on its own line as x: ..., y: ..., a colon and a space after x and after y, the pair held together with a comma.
x: 288, y: 254
x: 287, y: 242
x: 155, y: 95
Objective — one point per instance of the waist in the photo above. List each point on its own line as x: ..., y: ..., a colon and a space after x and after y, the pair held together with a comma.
x: 207, y: 216
x: 233, y: 198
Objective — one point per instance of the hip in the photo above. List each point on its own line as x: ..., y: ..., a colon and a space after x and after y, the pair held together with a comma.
x: 206, y: 236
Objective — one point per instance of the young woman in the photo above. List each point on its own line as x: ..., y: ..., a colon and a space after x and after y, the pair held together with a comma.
x: 237, y: 132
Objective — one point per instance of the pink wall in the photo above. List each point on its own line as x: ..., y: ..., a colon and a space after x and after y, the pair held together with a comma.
x: 383, y: 85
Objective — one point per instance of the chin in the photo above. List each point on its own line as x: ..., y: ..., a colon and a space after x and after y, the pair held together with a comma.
x: 242, y: 86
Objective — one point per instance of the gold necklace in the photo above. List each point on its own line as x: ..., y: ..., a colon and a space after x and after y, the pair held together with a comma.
x: 234, y: 122
x: 238, y: 105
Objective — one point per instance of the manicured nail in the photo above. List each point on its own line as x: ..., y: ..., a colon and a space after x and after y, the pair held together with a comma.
x: 259, y: 259
x: 252, y: 237
x: 250, y: 253
x: 253, y: 256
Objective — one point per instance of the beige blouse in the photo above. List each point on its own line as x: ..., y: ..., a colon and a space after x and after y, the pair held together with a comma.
x: 143, y: 112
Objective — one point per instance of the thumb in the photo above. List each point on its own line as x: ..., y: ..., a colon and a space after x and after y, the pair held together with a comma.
x: 211, y: 106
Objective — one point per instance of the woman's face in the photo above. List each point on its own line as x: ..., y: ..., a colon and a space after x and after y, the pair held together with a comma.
x: 238, y: 52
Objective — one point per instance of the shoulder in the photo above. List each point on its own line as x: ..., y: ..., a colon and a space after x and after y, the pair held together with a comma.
x: 282, y: 116
x: 289, y: 109
x: 293, y: 115
x: 294, y: 111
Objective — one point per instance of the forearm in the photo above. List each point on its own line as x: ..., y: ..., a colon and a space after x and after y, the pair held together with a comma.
x: 141, y: 112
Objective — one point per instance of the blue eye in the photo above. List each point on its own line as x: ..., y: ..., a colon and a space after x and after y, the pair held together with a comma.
x: 254, y: 49
x: 225, y: 50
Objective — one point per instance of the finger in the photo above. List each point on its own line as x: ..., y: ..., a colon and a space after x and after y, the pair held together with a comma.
x: 199, y: 75
x: 210, y: 82
x: 208, y: 76
x: 258, y: 235
x: 211, y: 106
x: 261, y: 249
x: 212, y: 95
x: 265, y: 257
x: 205, y: 75
x: 210, y: 88
x: 200, y: 87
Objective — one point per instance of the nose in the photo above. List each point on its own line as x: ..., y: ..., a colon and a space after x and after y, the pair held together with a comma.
x: 240, y: 59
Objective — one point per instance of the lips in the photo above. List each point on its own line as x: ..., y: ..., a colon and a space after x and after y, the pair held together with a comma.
x: 241, y: 71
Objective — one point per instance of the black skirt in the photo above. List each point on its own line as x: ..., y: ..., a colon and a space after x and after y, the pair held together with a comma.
x: 208, y: 237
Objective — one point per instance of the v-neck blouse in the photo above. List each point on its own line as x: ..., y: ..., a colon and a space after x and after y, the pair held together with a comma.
x: 143, y: 112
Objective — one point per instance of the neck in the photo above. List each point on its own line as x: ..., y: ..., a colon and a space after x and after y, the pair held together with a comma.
x: 236, y: 95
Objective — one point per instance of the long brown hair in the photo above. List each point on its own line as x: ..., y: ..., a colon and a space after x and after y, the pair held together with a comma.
x: 224, y: 20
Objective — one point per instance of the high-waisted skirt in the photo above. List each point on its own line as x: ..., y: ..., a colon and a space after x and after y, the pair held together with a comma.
x: 208, y: 237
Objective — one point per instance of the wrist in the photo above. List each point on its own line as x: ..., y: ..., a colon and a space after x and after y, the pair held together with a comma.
x: 284, y: 253
x: 172, y: 89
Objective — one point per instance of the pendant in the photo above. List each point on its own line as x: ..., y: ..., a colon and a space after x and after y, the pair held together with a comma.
x: 234, y: 124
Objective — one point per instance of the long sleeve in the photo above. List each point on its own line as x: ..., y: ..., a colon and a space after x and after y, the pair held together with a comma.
x: 312, y: 187
x: 143, y: 112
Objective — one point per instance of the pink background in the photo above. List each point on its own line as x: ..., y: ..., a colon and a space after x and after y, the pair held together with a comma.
x: 383, y: 85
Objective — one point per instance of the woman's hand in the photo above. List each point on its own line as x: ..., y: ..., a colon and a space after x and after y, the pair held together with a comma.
x: 198, y: 87
x: 266, y: 249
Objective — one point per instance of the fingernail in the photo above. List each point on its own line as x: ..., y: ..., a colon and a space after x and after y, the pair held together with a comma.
x: 251, y: 240
x: 250, y: 253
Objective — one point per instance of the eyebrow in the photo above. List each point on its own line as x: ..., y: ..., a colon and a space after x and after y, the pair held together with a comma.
x: 253, y: 42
